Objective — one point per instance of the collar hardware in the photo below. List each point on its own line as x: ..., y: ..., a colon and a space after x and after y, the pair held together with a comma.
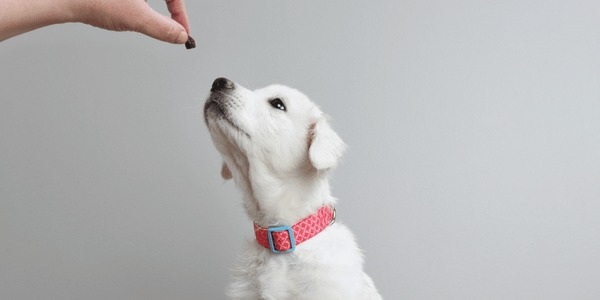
x: 280, y: 229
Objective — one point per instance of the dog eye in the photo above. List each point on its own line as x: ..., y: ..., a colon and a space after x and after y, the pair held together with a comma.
x: 277, y: 103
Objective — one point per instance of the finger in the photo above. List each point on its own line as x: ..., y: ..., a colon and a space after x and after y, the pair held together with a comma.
x: 178, y: 13
x: 163, y: 28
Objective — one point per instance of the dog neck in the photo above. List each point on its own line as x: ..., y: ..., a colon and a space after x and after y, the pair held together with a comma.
x: 276, y: 200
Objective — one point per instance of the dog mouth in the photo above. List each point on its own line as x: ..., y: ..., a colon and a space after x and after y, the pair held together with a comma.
x: 214, y: 110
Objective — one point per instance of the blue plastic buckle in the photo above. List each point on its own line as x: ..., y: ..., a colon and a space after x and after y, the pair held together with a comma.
x: 279, y: 229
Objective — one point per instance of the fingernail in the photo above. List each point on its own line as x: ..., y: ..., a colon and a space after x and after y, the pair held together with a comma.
x: 183, y: 37
x: 190, y: 44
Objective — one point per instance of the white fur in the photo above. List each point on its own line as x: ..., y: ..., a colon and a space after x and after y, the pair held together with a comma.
x: 280, y: 160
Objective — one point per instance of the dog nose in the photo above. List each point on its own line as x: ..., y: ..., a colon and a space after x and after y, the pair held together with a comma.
x: 221, y: 84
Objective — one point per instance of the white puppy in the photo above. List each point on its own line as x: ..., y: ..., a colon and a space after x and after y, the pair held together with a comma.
x: 278, y: 147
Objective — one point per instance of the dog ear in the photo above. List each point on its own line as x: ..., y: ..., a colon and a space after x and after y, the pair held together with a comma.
x: 325, y: 146
x: 225, y: 172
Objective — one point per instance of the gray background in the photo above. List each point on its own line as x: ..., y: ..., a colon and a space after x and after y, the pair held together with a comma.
x: 473, y: 170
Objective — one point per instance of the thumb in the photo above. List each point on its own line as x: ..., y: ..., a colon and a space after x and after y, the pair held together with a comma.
x: 163, y: 28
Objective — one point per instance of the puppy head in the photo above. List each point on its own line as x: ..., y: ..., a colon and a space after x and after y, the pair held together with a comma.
x: 276, y: 130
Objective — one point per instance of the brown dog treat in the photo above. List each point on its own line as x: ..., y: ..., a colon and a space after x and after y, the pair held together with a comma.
x: 190, y: 44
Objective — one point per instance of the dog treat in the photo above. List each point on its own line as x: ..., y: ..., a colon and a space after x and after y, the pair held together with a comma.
x: 190, y: 44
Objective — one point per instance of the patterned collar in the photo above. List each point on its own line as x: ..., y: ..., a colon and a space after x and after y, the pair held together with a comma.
x: 285, y: 238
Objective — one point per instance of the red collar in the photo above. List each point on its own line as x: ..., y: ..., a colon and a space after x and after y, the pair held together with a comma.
x: 285, y: 238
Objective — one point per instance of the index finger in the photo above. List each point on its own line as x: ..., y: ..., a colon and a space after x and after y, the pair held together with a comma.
x: 177, y: 10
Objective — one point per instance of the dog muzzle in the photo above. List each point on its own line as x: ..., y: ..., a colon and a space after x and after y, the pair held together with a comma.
x: 284, y: 239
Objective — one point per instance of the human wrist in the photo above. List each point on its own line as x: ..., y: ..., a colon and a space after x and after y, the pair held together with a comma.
x: 68, y: 11
x: 17, y: 17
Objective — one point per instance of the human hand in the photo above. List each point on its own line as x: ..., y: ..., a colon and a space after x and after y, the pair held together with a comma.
x: 20, y: 16
x: 135, y: 15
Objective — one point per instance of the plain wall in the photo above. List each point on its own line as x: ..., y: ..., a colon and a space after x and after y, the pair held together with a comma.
x: 473, y: 169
